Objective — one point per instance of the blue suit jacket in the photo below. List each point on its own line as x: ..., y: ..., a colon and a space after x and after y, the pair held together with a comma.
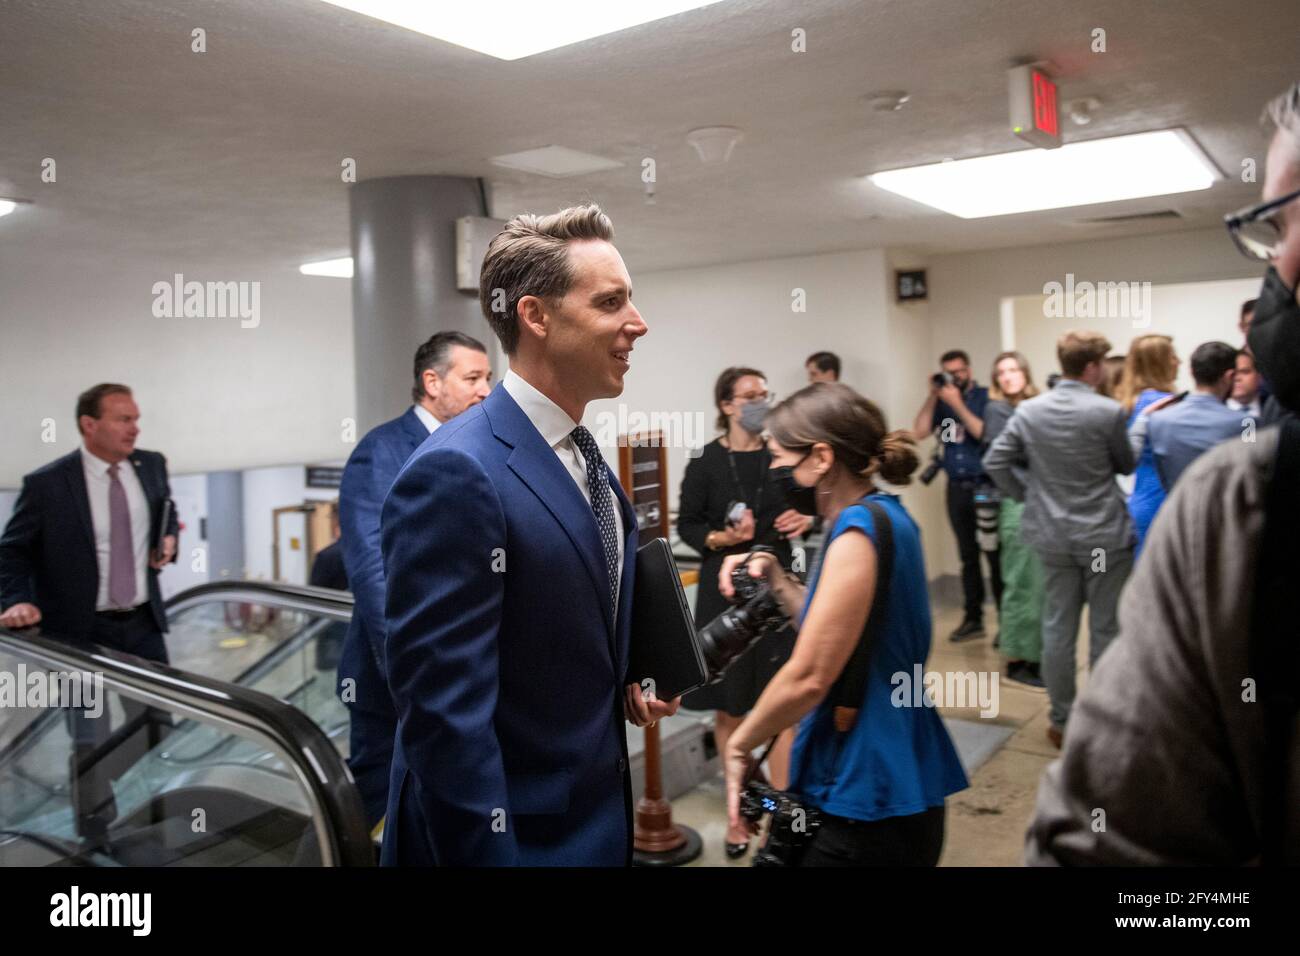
x: 369, y: 473
x: 1181, y: 434
x: 47, y: 553
x: 506, y: 662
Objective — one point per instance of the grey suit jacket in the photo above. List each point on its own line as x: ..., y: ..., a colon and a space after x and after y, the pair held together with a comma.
x: 1072, y: 442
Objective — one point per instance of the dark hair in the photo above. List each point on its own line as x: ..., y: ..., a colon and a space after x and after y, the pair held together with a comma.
x: 724, y: 389
x: 530, y: 256
x: 953, y: 355
x: 435, y: 354
x: 852, y: 425
x: 90, y: 401
x: 1211, y: 361
x: 1247, y: 307
x: 825, y: 362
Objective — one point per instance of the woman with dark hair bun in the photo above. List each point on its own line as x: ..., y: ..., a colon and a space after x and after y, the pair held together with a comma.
x: 878, y: 772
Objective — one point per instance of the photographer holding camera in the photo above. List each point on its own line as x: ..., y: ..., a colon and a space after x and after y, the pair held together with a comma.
x: 868, y: 776
x: 955, y: 407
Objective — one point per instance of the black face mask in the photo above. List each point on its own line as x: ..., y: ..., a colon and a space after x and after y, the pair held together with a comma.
x: 801, y: 499
x: 1274, y: 338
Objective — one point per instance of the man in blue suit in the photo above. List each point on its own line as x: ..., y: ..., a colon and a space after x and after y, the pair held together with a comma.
x: 510, y: 553
x: 1181, y: 428
x: 79, y: 554
x: 452, y: 373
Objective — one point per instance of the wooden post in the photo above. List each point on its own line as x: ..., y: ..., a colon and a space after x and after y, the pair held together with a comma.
x: 656, y: 841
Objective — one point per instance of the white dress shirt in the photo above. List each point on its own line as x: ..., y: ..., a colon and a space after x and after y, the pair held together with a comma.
x: 555, y: 427
x: 426, y: 417
x: 97, y: 484
x: 1249, y: 408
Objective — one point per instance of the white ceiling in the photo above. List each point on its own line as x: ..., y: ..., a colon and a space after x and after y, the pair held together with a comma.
x: 234, y: 155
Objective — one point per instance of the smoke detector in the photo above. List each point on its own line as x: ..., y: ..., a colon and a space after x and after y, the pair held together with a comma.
x: 714, y: 143
x: 1081, y: 110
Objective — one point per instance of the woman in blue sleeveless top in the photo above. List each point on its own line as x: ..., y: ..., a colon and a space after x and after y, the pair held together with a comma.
x: 880, y: 782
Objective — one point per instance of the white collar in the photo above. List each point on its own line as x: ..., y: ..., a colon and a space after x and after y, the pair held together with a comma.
x: 549, y: 419
x: 96, y: 465
x: 426, y: 418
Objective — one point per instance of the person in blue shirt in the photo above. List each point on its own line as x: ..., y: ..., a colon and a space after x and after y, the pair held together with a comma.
x: 955, y: 409
x: 880, y: 782
x: 1150, y: 368
x: 1188, y: 425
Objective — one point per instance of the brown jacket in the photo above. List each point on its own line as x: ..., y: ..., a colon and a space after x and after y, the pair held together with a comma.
x: 1163, y: 760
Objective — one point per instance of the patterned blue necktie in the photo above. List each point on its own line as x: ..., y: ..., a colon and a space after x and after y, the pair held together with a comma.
x: 602, y: 504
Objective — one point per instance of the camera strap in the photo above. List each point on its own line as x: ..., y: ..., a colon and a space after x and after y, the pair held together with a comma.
x: 846, y: 694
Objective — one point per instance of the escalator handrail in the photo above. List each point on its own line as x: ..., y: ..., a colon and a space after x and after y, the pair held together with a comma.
x: 275, y: 594
x: 323, y: 602
x: 314, y: 758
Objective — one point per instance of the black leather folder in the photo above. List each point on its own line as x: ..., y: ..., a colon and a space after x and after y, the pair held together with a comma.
x: 664, y: 647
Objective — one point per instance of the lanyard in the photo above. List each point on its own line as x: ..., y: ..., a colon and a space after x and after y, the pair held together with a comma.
x: 762, y: 480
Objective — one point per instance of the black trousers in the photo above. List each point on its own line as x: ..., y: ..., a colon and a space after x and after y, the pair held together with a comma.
x: 961, y: 515
x: 136, y: 633
x: 914, y: 840
x: 92, y: 764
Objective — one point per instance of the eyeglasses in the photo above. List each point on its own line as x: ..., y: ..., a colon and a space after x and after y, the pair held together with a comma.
x: 754, y: 397
x: 1255, y: 230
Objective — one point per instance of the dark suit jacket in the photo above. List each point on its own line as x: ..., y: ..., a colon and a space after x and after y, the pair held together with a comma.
x: 368, y: 475
x: 47, y: 553
x: 327, y: 570
x: 506, y: 661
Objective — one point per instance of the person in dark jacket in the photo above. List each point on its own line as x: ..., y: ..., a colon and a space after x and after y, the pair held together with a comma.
x: 731, y: 501
x: 78, y: 556
x: 452, y: 373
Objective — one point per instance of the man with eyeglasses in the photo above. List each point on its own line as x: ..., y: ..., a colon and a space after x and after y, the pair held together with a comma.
x: 1187, y: 733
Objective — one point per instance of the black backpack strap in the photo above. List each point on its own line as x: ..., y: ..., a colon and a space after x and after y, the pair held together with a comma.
x: 846, y: 695
x: 1275, y: 648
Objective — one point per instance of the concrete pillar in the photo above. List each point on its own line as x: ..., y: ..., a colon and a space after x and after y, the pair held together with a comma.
x: 225, y: 525
x: 404, y: 282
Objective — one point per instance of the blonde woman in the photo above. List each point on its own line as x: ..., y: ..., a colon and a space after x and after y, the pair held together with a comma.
x: 1149, y: 372
x: 1021, y: 612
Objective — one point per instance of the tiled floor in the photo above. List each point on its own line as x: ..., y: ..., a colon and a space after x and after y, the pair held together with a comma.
x: 987, y: 822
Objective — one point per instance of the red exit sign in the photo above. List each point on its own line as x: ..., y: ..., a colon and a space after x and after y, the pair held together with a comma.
x: 1035, y: 111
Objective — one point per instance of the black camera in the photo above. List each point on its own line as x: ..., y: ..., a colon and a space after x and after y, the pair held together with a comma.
x: 793, y: 825
x: 941, y: 379
x: 737, y: 629
x: 931, y: 470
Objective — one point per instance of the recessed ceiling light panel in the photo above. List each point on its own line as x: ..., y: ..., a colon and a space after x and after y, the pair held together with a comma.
x: 1158, y: 163
x: 558, y: 162
x: 511, y: 29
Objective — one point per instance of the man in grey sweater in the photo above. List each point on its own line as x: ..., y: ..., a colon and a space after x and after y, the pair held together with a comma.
x: 1071, y: 442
